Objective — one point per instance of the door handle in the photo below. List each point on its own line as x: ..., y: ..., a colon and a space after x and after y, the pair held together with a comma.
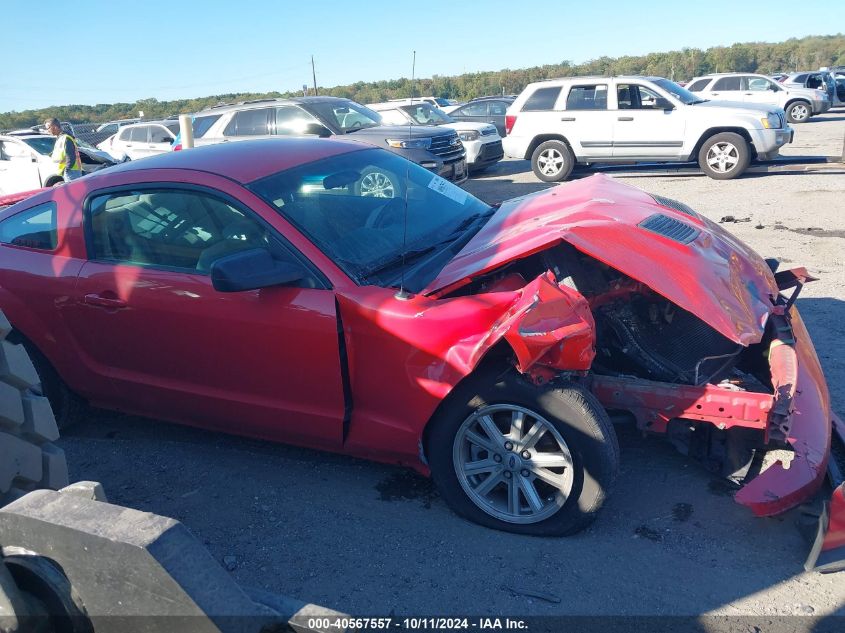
x: 749, y: 94
x: 568, y: 118
x: 625, y: 118
x: 101, y: 301
x: 714, y: 94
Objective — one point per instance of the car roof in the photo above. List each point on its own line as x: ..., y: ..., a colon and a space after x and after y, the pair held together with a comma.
x: 583, y: 77
x: 244, y: 161
x: 263, y: 103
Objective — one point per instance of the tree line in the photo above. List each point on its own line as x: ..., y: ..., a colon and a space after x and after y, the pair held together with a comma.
x: 807, y: 53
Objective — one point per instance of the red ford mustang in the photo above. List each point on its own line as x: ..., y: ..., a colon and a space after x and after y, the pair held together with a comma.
x: 254, y: 288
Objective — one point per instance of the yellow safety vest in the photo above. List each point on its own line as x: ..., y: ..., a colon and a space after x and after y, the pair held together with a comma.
x: 67, y: 163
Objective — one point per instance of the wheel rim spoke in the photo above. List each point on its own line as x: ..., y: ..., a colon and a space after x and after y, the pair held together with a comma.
x: 530, y: 494
x: 488, y: 484
x: 551, y: 460
x: 553, y: 479
x: 533, y: 436
x: 513, y: 496
x: 480, y: 441
x: 492, y: 430
x: 517, y: 420
x: 481, y: 467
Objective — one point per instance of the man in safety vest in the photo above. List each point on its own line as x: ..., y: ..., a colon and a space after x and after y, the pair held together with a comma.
x: 65, y: 151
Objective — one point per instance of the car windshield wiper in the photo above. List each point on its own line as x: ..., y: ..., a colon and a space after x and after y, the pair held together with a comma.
x: 399, y: 260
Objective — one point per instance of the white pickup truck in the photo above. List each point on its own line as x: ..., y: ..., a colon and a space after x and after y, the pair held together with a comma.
x: 561, y: 122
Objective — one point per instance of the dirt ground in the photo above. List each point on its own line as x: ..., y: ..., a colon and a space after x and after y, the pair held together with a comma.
x: 371, y: 539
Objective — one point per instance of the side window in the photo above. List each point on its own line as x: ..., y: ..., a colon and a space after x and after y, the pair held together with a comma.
x: 800, y: 79
x: 249, y: 123
x: 139, y: 134
x: 727, y: 83
x: 473, y: 109
x: 593, y: 97
x: 201, y: 124
x: 170, y: 228
x: 497, y: 108
x: 292, y: 120
x: 698, y: 86
x: 815, y: 81
x: 125, y: 134
x: 542, y: 99
x: 758, y: 84
x: 159, y: 134
x: 35, y: 228
x: 393, y: 117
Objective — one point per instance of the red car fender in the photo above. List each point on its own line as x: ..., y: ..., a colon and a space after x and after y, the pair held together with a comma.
x: 545, y: 325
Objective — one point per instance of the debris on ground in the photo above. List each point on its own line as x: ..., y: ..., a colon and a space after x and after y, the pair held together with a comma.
x: 732, y: 218
x: 532, y: 593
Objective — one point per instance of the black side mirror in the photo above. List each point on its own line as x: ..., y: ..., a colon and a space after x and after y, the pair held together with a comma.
x: 251, y: 269
x: 661, y: 103
x: 318, y: 130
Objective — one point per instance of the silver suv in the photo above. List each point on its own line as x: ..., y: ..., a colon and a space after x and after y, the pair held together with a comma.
x: 798, y: 103
x: 561, y: 122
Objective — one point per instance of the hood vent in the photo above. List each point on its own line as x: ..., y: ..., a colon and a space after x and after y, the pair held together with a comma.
x: 669, y: 227
x: 674, y: 204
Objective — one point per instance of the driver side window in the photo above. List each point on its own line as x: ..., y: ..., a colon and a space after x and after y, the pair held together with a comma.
x: 170, y: 228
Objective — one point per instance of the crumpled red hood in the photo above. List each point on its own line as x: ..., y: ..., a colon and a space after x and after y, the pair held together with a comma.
x: 716, y: 277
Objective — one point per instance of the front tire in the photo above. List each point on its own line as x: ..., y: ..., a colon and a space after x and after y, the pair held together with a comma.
x: 724, y: 156
x: 552, y: 161
x: 798, y: 112
x: 525, y: 459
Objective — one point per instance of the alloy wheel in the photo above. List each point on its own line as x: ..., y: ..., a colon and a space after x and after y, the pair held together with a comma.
x: 722, y: 157
x: 800, y: 112
x: 513, y: 463
x: 377, y: 185
x: 550, y: 162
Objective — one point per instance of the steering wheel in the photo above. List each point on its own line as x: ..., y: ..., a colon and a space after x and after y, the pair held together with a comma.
x: 356, y: 124
x: 379, y: 216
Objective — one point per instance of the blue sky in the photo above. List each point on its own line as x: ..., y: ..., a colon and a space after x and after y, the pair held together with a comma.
x: 126, y: 51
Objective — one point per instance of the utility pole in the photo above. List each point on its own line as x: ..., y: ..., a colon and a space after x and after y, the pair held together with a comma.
x: 314, y: 75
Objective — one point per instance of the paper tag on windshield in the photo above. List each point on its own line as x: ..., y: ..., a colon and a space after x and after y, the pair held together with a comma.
x: 444, y: 188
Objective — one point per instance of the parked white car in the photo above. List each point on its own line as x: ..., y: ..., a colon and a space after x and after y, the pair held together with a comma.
x: 798, y: 103
x: 561, y: 122
x: 481, y: 140
x: 141, y: 140
x: 26, y: 162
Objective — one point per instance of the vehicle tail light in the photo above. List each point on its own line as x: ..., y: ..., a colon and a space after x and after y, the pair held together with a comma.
x: 177, y: 147
x: 510, y: 119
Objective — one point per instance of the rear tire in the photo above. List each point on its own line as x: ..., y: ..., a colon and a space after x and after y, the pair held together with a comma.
x: 724, y: 156
x: 576, y: 442
x: 552, y: 161
x: 798, y: 112
x: 28, y: 457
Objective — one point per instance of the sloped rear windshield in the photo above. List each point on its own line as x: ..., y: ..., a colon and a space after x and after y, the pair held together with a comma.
x: 353, y: 208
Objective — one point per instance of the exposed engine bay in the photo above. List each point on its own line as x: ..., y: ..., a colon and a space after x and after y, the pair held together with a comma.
x: 639, y: 333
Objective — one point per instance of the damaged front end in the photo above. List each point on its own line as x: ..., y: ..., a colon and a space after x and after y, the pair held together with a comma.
x: 696, y: 338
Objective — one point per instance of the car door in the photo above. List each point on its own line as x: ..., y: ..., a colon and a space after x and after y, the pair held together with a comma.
x: 725, y: 89
x: 259, y: 362
x: 136, y: 139
x: 586, y: 122
x: 760, y: 90
x: 160, y: 140
x: 647, y: 124
x: 496, y: 111
x: 18, y: 168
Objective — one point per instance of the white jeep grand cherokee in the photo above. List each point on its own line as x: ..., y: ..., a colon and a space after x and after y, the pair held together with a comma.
x: 561, y: 122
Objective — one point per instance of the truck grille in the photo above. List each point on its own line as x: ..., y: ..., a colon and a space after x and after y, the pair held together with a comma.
x: 492, y: 151
x: 445, y: 148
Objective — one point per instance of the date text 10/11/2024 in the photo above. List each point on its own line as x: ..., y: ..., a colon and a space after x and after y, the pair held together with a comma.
x: 413, y: 624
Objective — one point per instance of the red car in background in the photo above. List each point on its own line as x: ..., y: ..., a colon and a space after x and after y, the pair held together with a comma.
x: 255, y: 288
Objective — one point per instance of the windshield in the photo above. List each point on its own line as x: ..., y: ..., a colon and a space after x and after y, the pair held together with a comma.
x: 41, y: 145
x: 345, y: 116
x: 426, y: 114
x: 681, y: 94
x: 352, y: 207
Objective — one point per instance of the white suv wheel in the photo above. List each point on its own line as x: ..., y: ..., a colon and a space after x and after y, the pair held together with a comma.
x: 552, y: 161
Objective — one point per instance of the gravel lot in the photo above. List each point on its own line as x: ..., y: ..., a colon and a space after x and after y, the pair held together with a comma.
x: 371, y: 539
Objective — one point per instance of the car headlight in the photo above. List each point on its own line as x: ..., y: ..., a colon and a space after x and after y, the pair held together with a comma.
x: 771, y: 121
x: 469, y: 135
x: 409, y: 143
